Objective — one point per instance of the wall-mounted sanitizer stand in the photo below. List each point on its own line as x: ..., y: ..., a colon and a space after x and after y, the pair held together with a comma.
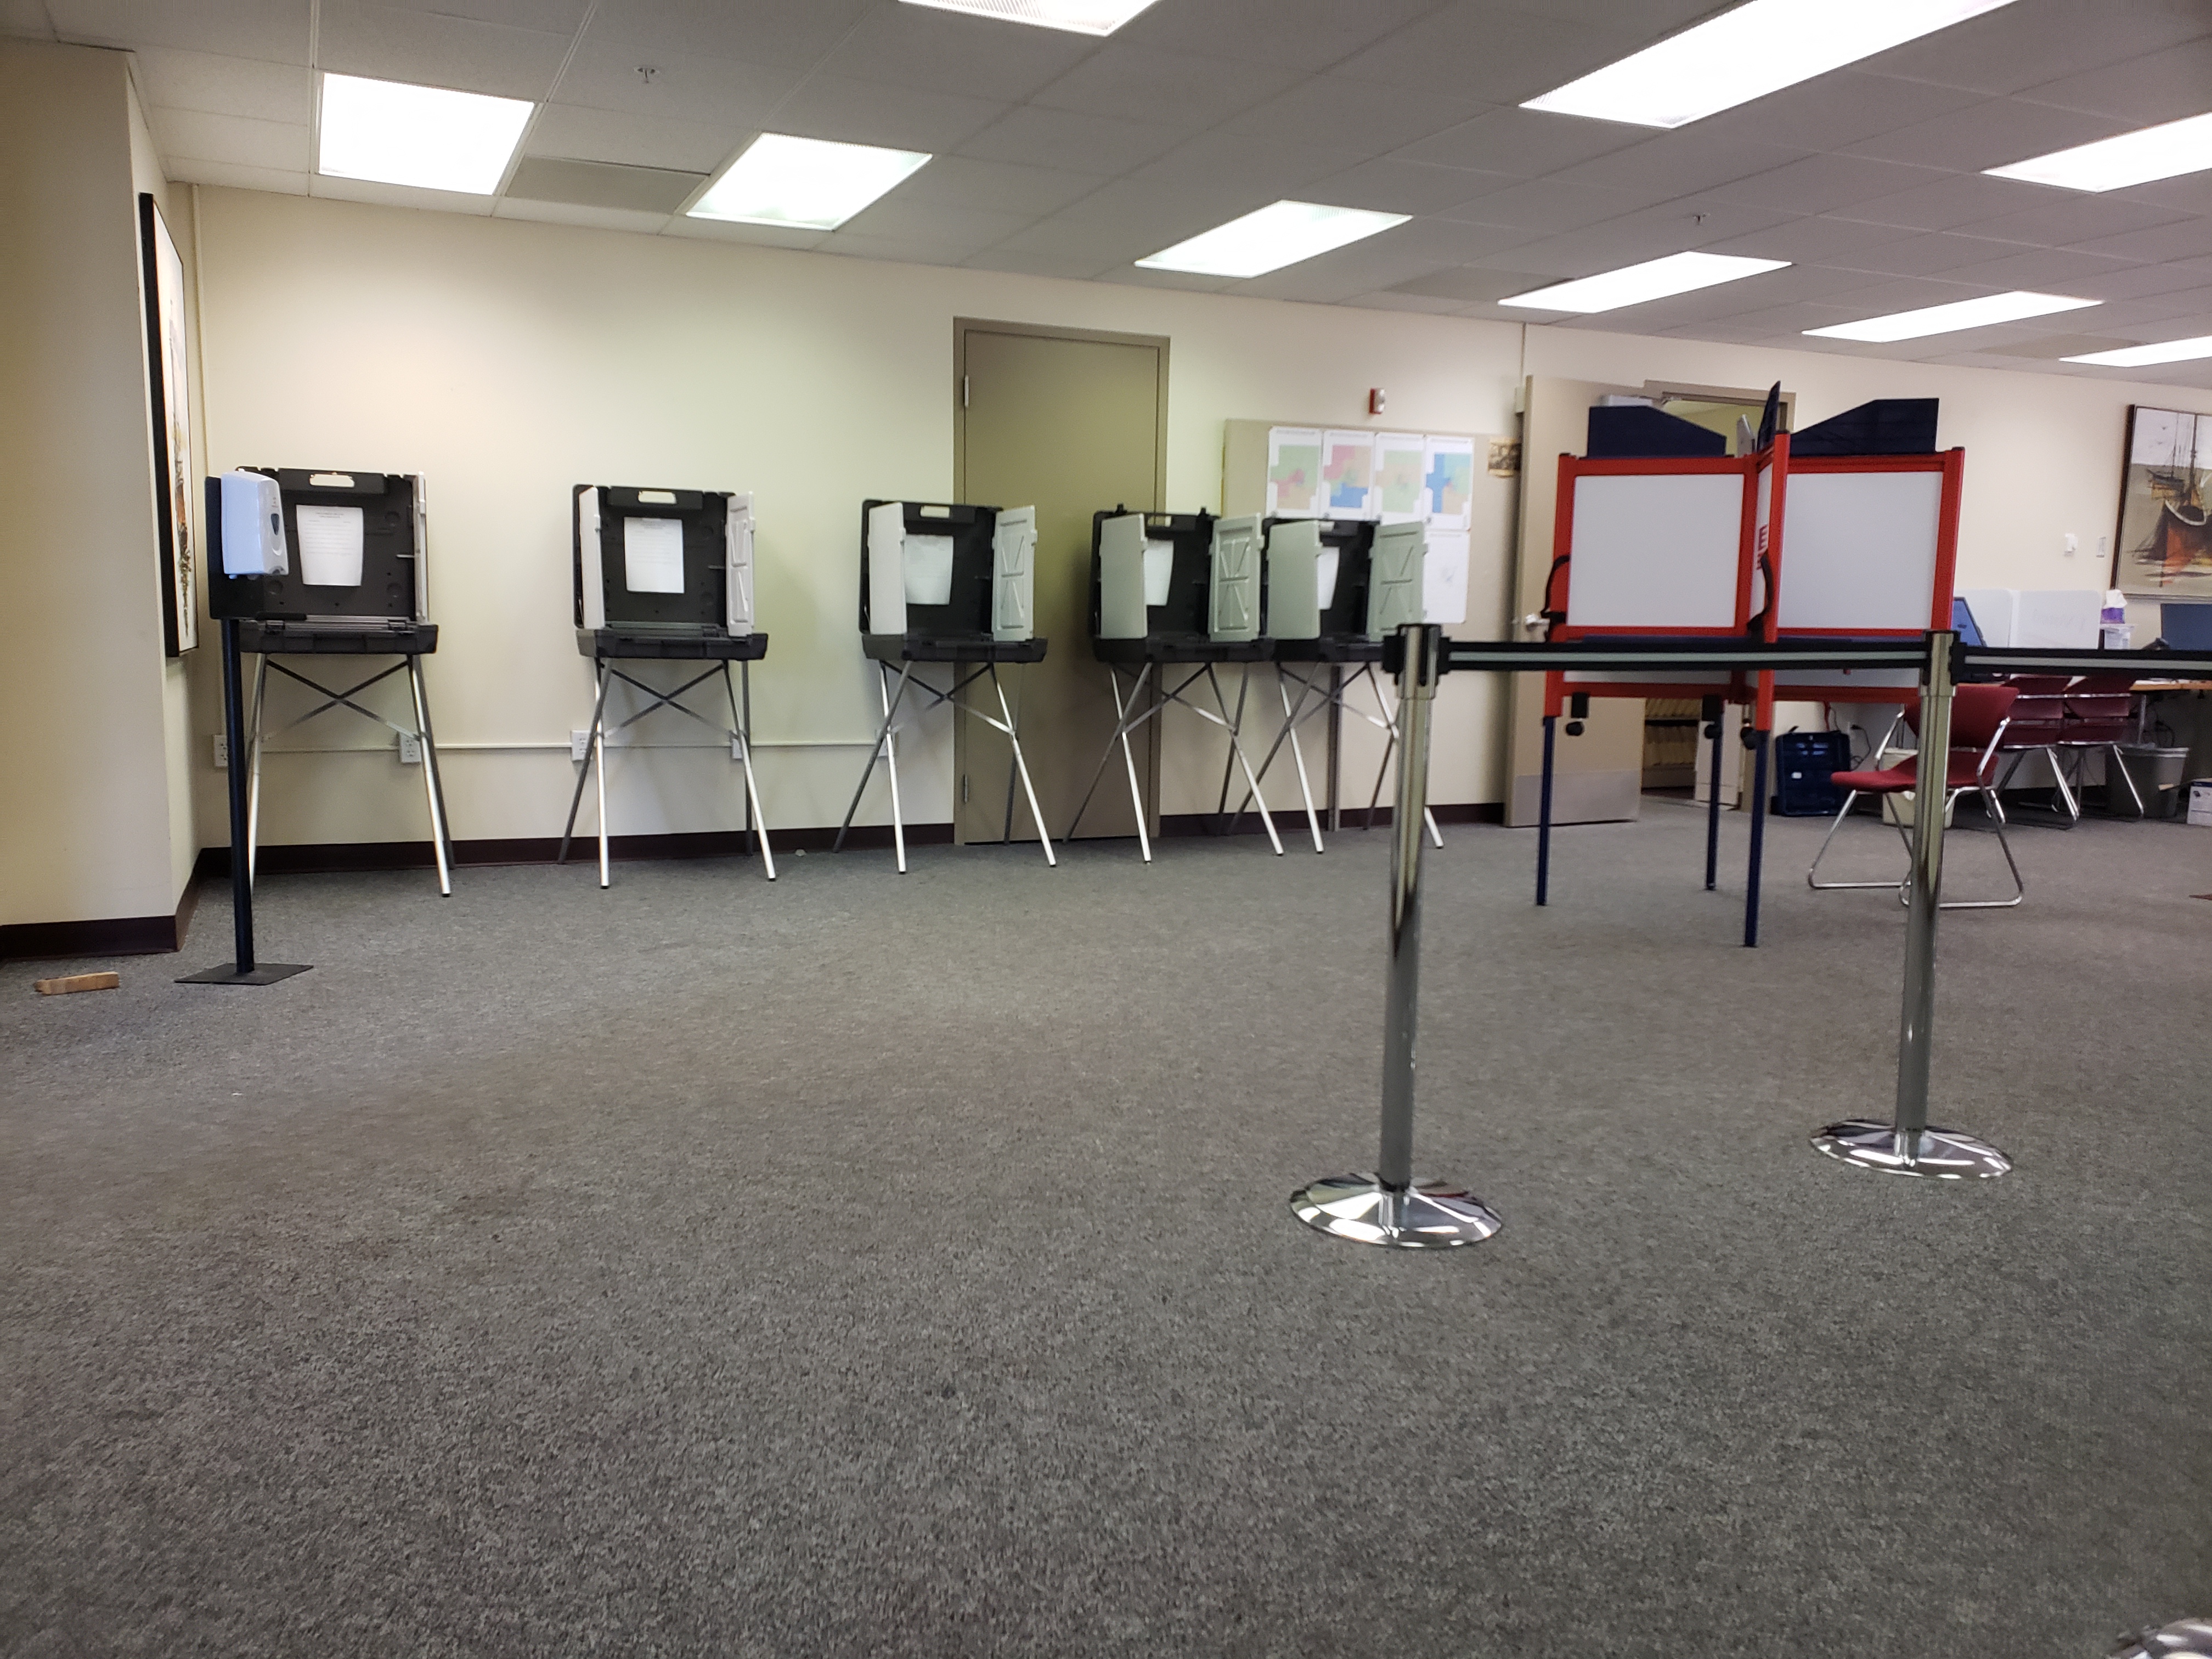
x: 1175, y: 591
x: 729, y: 638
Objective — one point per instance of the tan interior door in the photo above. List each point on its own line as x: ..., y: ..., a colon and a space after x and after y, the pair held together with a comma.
x: 1069, y: 423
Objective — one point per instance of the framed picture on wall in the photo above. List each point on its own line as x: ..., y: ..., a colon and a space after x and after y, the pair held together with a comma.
x: 166, y: 367
x: 2164, y: 545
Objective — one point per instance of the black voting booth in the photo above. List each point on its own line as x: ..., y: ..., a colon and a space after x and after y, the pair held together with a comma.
x: 1170, y: 591
x: 947, y: 582
x: 666, y: 576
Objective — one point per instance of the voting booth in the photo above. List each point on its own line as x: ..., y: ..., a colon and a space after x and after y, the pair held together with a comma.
x: 953, y: 583
x: 1802, y: 539
x: 307, y: 563
x: 666, y: 575
x: 1174, y: 597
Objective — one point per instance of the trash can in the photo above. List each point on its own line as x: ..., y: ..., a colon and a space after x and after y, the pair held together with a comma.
x: 2156, y: 773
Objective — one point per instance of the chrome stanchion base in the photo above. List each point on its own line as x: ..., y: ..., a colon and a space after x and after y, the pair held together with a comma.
x: 2189, y: 1639
x: 1430, y: 1215
x: 1942, y: 1154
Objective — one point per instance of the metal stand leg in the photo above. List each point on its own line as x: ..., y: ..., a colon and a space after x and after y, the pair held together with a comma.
x: 886, y: 749
x: 1389, y: 1206
x: 600, y: 769
x: 440, y: 845
x: 1752, y: 865
x: 244, y: 969
x: 1299, y: 755
x: 2185, y: 1638
x: 1335, y: 746
x: 1908, y: 1146
x: 576, y: 800
x: 1022, y: 768
x: 742, y: 730
x: 1543, y: 812
x: 253, y: 769
x: 1236, y: 756
x: 1714, y: 710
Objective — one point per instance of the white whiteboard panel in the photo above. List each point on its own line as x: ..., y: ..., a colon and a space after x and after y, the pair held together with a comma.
x: 1655, y: 550
x: 1858, y: 550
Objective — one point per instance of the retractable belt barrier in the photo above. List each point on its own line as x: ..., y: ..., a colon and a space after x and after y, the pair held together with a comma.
x: 1389, y: 1204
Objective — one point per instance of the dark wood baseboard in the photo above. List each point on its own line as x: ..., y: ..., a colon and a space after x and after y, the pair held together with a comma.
x: 112, y: 935
x: 327, y: 858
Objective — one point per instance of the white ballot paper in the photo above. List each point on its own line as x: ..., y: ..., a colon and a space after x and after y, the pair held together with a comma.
x: 1159, y: 571
x: 928, y: 562
x: 653, y: 556
x: 330, y: 545
x: 1443, y: 577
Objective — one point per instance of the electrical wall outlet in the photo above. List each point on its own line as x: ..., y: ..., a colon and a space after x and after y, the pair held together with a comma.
x: 221, y: 752
x: 580, y: 746
x: 410, y: 750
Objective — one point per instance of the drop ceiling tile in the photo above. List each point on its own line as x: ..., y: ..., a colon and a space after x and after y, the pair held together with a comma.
x: 869, y: 113
x: 1156, y: 215
x: 2142, y: 91
x: 25, y: 20
x: 793, y: 33
x: 563, y: 16
x: 1455, y: 242
x: 978, y: 58
x: 1655, y: 19
x: 1837, y: 109
x: 1678, y: 163
x: 1029, y: 262
x: 1924, y: 254
x: 2191, y: 193
x: 1542, y: 205
x: 252, y: 88
x: 1468, y: 284
x: 275, y: 30
x: 1879, y: 299
x: 387, y: 43
x: 653, y: 193
x: 1776, y: 321
x: 1989, y: 134
x: 2032, y: 43
x: 2071, y: 219
x: 1266, y: 170
x: 1100, y: 245
x: 1820, y: 184
x: 690, y: 86
x: 1809, y: 240
x: 1065, y: 139
x: 280, y: 145
x: 961, y: 181
x: 1296, y: 34
x: 1389, y: 299
x: 1957, y: 199
x: 1336, y: 276
x: 2042, y: 270
x: 2185, y: 239
x: 592, y: 218
x: 1796, y: 283
x: 1336, y: 110
x: 1139, y: 276
x: 721, y: 230
x: 1693, y: 222
x: 1522, y: 142
x: 900, y: 217
x: 899, y: 250
x: 405, y: 196
x: 568, y: 132
x: 1476, y: 49
x: 186, y: 171
x: 1387, y: 187
x: 2124, y: 281
x: 1184, y: 91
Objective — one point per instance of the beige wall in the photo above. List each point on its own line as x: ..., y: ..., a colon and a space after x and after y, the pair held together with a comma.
x: 508, y: 361
x: 94, y: 819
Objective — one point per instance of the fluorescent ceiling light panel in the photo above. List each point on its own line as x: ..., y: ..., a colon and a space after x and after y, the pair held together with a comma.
x: 391, y: 133
x: 1082, y: 16
x: 1270, y: 238
x: 804, y: 184
x: 2166, y: 351
x: 1947, y: 319
x: 1748, y: 53
x: 2129, y: 158
x: 1655, y: 279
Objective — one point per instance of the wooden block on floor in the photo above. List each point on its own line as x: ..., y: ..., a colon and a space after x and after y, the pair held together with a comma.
x: 69, y: 982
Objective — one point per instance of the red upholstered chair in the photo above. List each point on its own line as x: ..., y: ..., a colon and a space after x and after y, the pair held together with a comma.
x: 2098, y: 709
x: 1979, y: 715
x: 2037, y: 724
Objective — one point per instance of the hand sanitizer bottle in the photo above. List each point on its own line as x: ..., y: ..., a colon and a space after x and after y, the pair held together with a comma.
x: 2114, y: 633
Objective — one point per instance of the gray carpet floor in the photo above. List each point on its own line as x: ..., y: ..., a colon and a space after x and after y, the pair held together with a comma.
x: 870, y: 1265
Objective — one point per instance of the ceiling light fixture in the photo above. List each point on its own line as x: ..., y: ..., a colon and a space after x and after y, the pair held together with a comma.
x: 390, y: 133
x: 1655, y: 279
x: 1270, y: 238
x: 2165, y: 351
x: 1082, y: 16
x: 1747, y: 53
x: 2128, y: 158
x: 803, y: 184
x: 1949, y: 319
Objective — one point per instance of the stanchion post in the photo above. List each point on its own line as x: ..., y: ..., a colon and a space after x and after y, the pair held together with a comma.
x: 244, y: 969
x: 1712, y: 711
x: 1907, y: 1146
x: 1389, y: 1206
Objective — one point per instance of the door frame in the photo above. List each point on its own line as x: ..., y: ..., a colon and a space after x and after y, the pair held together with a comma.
x: 962, y: 328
